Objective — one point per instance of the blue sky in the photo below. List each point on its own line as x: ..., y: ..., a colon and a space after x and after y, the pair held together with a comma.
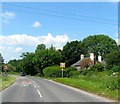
x: 27, y: 24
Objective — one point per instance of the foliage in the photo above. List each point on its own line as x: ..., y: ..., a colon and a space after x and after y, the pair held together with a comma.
x: 99, y: 67
x: 101, y: 84
x: 53, y: 71
x: 115, y: 68
x: 113, y: 58
x: 67, y: 71
x: 1, y: 62
x: 45, y: 58
x: 34, y: 63
x: 40, y: 47
x: 74, y: 74
x: 99, y: 44
x: 71, y: 52
x: 27, y: 63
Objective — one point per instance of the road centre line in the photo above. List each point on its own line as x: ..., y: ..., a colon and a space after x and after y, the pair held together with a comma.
x: 39, y: 93
x: 34, y: 85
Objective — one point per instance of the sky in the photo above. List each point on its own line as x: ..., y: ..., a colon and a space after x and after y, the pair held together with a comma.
x: 24, y: 25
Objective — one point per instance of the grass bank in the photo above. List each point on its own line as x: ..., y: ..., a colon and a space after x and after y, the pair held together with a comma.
x: 106, y: 86
x: 13, y: 73
x: 6, y: 81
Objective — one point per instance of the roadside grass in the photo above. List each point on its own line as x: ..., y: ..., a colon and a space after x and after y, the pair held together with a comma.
x: 13, y: 73
x: 106, y: 86
x: 6, y: 81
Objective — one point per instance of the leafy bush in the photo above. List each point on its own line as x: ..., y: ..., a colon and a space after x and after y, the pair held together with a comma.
x: 74, y: 74
x: 113, y: 58
x: 67, y: 71
x: 115, y: 68
x: 53, y: 71
x: 84, y: 71
x: 99, y: 67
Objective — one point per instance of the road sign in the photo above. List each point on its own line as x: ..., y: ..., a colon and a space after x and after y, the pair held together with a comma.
x: 5, y: 67
x: 62, y: 65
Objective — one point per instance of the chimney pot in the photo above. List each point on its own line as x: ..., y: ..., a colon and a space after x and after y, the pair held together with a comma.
x: 92, y: 56
x: 82, y: 56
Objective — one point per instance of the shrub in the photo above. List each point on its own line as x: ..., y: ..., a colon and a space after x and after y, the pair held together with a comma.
x: 74, y: 73
x: 99, y: 67
x: 115, y: 68
x: 53, y: 71
x: 67, y: 71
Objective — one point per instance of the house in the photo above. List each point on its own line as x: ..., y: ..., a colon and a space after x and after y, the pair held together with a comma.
x: 86, y: 62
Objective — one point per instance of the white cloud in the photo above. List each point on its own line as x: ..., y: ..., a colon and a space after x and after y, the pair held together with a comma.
x: 13, y: 45
x: 36, y: 24
x: 6, y: 16
x: 28, y: 40
x: 8, y: 52
x: 18, y: 49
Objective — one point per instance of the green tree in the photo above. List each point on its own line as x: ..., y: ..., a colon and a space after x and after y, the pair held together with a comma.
x: 46, y: 57
x: 71, y: 52
x: 99, y: 44
x: 40, y: 47
x: 113, y: 58
x: 27, y: 63
x: 1, y: 61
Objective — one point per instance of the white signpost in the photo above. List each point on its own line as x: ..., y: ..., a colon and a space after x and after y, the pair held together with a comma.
x: 62, y: 65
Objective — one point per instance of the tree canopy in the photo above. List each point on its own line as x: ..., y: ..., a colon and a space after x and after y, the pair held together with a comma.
x: 34, y: 63
x: 99, y: 44
x: 71, y: 52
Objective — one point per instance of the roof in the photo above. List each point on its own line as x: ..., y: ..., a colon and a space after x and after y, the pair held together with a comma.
x: 81, y: 61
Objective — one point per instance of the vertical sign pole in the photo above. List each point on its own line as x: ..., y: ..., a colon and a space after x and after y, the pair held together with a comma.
x: 62, y: 65
x: 5, y: 69
x: 62, y: 72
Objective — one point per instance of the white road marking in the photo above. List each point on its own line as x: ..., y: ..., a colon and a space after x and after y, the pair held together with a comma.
x: 35, y: 85
x: 39, y: 93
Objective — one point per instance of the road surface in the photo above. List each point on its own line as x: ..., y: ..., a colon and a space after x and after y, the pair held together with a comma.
x: 30, y: 89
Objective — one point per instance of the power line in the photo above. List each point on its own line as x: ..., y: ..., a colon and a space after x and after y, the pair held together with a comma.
x: 58, y: 16
x: 53, y: 11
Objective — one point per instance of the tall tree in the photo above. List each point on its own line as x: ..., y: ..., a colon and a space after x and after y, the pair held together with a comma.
x: 27, y: 63
x: 71, y: 52
x: 1, y: 61
x: 46, y: 57
x: 40, y: 47
x: 99, y: 44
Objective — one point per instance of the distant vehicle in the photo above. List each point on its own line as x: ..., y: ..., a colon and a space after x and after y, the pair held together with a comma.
x: 22, y: 74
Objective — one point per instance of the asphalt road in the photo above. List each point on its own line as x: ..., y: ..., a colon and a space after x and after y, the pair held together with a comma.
x: 29, y: 89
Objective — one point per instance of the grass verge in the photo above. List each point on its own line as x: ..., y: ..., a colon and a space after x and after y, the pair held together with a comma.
x: 6, y: 81
x: 13, y: 73
x: 98, y: 87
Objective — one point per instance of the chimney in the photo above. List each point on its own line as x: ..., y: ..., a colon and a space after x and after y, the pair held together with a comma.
x: 99, y: 58
x: 92, y: 56
x: 81, y: 56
